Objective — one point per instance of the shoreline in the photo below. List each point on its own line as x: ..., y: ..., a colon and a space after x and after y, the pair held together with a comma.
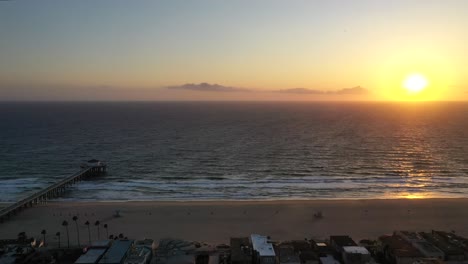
x: 217, y: 221
x: 59, y: 200
x: 257, y: 200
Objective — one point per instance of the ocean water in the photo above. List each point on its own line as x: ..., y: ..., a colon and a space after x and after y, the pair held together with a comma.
x: 237, y: 151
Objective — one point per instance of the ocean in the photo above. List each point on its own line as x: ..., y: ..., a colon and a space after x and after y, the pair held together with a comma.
x: 237, y: 150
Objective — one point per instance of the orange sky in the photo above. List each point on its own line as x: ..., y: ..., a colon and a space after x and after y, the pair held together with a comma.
x: 116, y: 50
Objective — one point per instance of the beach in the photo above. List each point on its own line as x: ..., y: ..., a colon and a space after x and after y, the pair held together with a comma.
x: 217, y: 221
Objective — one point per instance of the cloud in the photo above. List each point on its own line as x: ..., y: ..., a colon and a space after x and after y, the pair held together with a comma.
x: 358, y: 90
x: 206, y: 87
x: 301, y: 91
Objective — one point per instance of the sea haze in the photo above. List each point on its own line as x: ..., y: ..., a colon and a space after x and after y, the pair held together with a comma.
x: 237, y: 151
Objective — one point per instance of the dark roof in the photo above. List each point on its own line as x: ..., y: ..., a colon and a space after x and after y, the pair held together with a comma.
x: 298, y: 245
x: 343, y: 241
x: 240, y: 250
x: 116, y: 252
x: 399, y: 247
x: 442, y: 241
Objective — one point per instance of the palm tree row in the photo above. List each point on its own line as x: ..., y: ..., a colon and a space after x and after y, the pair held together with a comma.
x: 87, y: 223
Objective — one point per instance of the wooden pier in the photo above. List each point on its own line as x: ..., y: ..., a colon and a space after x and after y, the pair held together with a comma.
x: 90, y: 169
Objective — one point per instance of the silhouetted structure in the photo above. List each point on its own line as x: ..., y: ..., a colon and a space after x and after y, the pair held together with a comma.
x: 90, y: 169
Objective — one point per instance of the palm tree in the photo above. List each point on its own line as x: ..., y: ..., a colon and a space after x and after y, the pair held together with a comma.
x: 58, y: 236
x: 97, y: 223
x: 107, y: 231
x: 43, y: 233
x: 75, y: 218
x: 65, y: 224
x: 89, y: 232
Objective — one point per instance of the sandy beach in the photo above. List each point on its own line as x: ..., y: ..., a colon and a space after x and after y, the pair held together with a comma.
x: 216, y: 221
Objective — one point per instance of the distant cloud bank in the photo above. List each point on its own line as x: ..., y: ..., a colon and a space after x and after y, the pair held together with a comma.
x: 206, y: 87
x: 358, y: 90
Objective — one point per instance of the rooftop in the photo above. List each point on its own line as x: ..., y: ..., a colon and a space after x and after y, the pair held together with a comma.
x: 442, y: 244
x: 287, y: 254
x: 356, y: 250
x: 399, y: 246
x: 328, y: 260
x: 117, y: 251
x: 262, y: 245
x: 91, y: 256
x: 101, y: 244
x: 343, y: 241
x: 240, y: 249
x: 428, y: 247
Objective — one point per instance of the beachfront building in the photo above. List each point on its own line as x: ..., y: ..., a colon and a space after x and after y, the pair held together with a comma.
x: 241, y: 250
x: 450, y: 244
x: 304, y: 250
x: 429, y: 261
x: 117, y: 252
x: 418, y: 241
x: 92, y: 256
x: 338, y: 242
x: 263, y: 251
x: 139, y: 254
x: 287, y: 255
x: 95, y: 252
x: 322, y: 248
x: 328, y: 259
x: 398, y: 251
x: 356, y: 255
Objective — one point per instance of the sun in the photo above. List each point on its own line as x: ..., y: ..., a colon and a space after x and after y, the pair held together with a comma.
x: 415, y: 83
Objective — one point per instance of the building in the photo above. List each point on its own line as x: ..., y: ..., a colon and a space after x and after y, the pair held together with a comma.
x: 397, y: 250
x: 287, y: 255
x: 322, y: 248
x: 91, y: 256
x: 263, y: 251
x: 241, y: 250
x: 329, y: 259
x: 94, y: 252
x: 303, y: 248
x: 418, y: 241
x: 448, y: 243
x: 117, y: 252
x: 139, y: 254
x: 429, y: 261
x: 338, y: 242
x: 355, y: 255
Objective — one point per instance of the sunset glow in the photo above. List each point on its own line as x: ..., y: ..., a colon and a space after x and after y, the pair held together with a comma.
x: 278, y: 51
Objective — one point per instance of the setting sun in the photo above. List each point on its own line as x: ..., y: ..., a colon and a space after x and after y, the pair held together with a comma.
x: 415, y: 83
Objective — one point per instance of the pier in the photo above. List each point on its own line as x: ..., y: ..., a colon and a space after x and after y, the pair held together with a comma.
x: 88, y: 170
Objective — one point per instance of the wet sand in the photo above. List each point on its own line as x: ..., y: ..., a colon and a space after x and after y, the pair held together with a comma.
x: 217, y: 221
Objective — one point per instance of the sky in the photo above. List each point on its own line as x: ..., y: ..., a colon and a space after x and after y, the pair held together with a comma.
x: 232, y: 50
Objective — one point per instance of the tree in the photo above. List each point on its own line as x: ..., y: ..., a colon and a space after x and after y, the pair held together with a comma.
x: 75, y: 218
x: 65, y: 224
x: 89, y: 232
x: 58, y: 236
x: 43, y: 233
x: 107, y: 230
x: 97, y: 223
